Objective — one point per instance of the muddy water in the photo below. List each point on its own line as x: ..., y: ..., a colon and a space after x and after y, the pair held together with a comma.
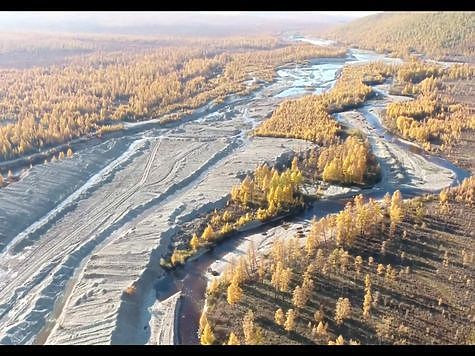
x: 314, y: 78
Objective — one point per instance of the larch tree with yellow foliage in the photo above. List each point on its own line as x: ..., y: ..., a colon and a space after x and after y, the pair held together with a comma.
x: 207, y: 337
x: 208, y: 234
x: 396, y: 211
x: 342, y: 310
x: 290, y: 320
x: 298, y: 297
x: 252, y: 334
x: 339, y: 341
x: 203, y: 322
x: 233, y: 339
x: 195, y: 242
x: 367, y: 303
x: 279, y: 317
x: 234, y: 294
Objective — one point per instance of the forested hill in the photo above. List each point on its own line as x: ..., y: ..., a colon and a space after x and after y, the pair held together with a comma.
x: 438, y: 35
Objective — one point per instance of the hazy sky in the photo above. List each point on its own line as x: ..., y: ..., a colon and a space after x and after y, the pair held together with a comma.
x: 151, y: 16
x: 102, y: 20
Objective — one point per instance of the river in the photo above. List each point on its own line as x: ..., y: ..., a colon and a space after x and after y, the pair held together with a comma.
x: 313, y: 78
x: 100, y: 199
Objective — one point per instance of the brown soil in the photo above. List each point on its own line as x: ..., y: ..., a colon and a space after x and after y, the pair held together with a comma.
x: 410, y: 301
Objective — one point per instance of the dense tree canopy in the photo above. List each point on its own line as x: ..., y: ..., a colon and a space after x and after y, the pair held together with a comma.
x: 44, y: 106
x: 436, y: 34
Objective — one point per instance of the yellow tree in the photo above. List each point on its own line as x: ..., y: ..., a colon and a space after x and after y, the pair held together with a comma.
x: 363, y: 216
x: 344, y: 260
x: 319, y: 315
x: 235, y: 193
x: 208, y: 234
x: 285, y: 279
x: 443, y: 196
x: 311, y: 242
x: 358, y: 264
x: 252, y: 256
x: 298, y: 298
x: 234, y: 292
x: 307, y: 285
x: 225, y: 229
x: 294, y: 166
x: 278, y: 251
x: 345, y: 226
x: 387, y: 202
x: 339, y: 341
x: 321, y: 329
x: 252, y: 334
x: 367, y: 282
x: 207, y: 337
x: 194, y: 242
x: 69, y: 152
x: 213, y: 287
x: 334, y: 258
x: 296, y: 179
x: 233, y: 339
x: 279, y: 317
x: 331, y: 173
x: 367, y: 303
x: 311, y: 269
x: 370, y: 261
x: 203, y: 322
x: 247, y: 190
x: 276, y: 276
x: 241, y: 271
x: 342, y: 310
x: 289, y: 324
x: 396, y: 209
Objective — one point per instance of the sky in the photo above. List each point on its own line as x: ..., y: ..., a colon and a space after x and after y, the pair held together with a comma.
x: 150, y: 16
x: 97, y: 21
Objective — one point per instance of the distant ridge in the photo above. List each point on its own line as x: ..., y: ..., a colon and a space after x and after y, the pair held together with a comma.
x: 440, y: 35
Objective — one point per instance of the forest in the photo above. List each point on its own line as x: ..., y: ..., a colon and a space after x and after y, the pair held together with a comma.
x: 167, y: 178
x: 259, y: 197
x: 44, y: 106
x: 447, y: 35
x: 268, y: 193
x: 434, y: 119
x: 310, y: 117
x: 354, y: 282
x: 391, y: 272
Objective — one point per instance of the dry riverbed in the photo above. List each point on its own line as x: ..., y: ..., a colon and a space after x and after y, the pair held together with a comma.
x: 65, y: 273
